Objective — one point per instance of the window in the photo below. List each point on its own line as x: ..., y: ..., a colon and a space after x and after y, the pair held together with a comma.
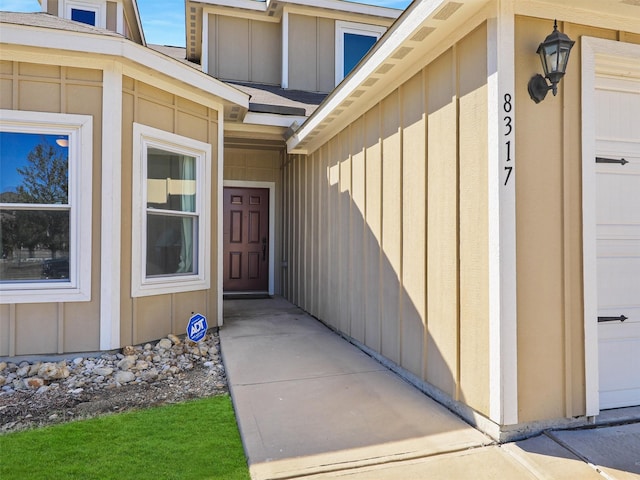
x: 45, y: 207
x: 171, y: 210
x: 353, y: 42
x: 90, y: 12
x: 83, y: 16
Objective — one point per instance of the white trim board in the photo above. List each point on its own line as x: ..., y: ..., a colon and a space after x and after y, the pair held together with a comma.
x: 503, y: 355
x: 272, y: 227
x: 611, y: 58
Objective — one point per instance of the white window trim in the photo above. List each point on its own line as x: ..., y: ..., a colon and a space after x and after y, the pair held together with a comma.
x: 79, y: 128
x: 144, y: 137
x: 65, y: 7
x: 357, y: 29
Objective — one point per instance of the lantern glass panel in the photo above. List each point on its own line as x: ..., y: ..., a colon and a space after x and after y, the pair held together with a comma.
x: 551, y: 60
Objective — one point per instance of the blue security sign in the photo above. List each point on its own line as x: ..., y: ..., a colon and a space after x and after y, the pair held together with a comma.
x: 197, y: 327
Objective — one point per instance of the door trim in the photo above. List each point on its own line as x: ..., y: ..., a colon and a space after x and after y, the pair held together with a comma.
x: 601, y: 57
x: 271, y: 186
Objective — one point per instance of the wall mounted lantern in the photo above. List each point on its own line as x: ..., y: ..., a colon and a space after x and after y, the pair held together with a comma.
x: 554, y: 55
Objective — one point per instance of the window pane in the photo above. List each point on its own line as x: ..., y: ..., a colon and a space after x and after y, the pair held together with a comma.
x: 355, y: 47
x: 35, y: 245
x: 34, y: 168
x: 171, y: 245
x: 84, y: 16
x: 171, y: 181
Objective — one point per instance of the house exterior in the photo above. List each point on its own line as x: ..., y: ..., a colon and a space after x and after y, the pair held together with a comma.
x: 418, y: 201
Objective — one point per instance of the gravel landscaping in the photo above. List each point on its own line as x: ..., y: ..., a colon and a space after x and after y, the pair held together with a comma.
x: 170, y: 370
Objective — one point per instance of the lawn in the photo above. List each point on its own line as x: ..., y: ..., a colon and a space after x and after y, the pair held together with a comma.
x: 192, y: 440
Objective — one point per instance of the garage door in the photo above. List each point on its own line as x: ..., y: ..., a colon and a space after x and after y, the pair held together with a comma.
x: 618, y: 240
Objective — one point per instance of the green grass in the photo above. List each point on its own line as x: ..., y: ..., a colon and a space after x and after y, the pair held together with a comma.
x: 192, y: 440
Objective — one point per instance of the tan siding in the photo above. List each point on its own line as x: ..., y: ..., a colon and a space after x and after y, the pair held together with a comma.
x: 391, y: 226
x: 326, y: 55
x: 303, y: 53
x: 333, y: 206
x: 148, y: 318
x: 57, y: 327
x: 266, y: 52
x: 344, y: 245
x: 52, y: 7
x: 395, y: 203
x: 6, y: 329
x: 549, y: 232
x: 244, y: 49
x: 413, y: 299
x: 474, y: 242
x: 356, y: 237
x: 233, y: 49
x: 36, y: 328
x: 442, y: 361
x: 373, y: 229
x: 112, y: 16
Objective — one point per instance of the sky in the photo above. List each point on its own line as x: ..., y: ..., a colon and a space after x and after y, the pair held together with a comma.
x: 163, y: 20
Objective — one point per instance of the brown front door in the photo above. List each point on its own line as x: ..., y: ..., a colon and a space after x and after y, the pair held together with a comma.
x: 246, y: 239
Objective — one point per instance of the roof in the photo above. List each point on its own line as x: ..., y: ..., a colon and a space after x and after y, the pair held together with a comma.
x: 273, y: 99
x: 44, y: 20
x: 44, y: 31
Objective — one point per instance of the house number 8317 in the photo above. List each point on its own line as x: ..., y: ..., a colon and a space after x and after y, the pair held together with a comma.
x: 507, y: 107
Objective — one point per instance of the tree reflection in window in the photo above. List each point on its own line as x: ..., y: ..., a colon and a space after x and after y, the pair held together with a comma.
x: 34, y: 207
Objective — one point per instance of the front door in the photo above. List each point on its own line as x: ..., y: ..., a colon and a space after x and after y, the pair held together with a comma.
x: 618, y: 240
x: 246, y: 237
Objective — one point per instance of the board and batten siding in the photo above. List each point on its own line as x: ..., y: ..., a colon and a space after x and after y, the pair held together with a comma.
x: 148, y: 318
x: 244, y: 49
x: 551, y: 354
x: 386, y: 226
x: 32, y: 328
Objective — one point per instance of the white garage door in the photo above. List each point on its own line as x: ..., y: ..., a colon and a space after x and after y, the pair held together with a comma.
x: 618, y: 240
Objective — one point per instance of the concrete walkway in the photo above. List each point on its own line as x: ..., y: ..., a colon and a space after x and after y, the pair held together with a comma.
x: 311, y: 405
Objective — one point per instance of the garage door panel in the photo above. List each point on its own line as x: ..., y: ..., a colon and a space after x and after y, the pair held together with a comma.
x: 618, y: 283
x: 618, y: 240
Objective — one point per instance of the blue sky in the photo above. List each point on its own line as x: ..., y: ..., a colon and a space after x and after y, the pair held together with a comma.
x: 163, y: 20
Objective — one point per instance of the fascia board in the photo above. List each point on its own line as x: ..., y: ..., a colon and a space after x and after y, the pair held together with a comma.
x: 120, y: 47
x: 243, y: 4
x: 136, y: 13
x: 349, y: 7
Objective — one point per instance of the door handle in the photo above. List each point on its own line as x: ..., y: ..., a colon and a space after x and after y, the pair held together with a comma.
x: 264, y: 248
x: 621, y: 318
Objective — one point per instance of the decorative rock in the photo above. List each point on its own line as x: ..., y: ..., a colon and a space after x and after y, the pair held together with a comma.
x: 127, y: 362
x: 23, y: 371
x: 3, y: 365
x: 213, y: 351
x: 103, y: 371
x: 165, y: 343
x: 76, y: 391
x: 34, y: 369
x: 149, y: 375
x: 77, y: 361
x: 33, y: 382
x: 129, y: 350
x: 174, y: 339
x: 51, y: 371
x: 124, y: 377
